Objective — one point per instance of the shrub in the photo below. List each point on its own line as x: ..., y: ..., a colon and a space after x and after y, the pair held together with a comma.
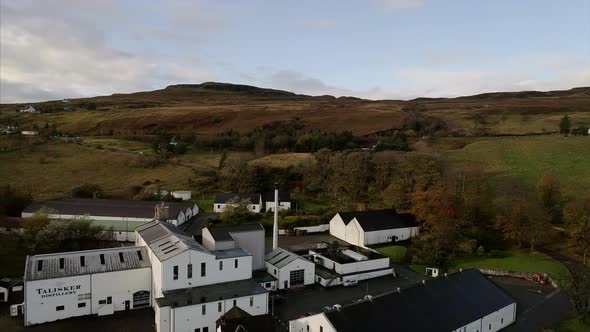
x: 88, y: 190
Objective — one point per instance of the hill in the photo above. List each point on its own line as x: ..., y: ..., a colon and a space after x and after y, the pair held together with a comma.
x: 210, y: 108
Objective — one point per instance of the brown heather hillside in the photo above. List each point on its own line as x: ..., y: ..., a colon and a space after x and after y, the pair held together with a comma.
x: 211, y: 108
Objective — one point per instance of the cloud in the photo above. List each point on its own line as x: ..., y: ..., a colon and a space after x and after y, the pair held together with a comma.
x: 297, y: 82
x: 398, y: 4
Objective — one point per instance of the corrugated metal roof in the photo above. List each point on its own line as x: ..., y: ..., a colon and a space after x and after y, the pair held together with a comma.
x: 68, y: 264
x: 166, y: 240
x: 375, y: 220
x: 281, y: 257
x: 230, y: 253
x: 223, y: 233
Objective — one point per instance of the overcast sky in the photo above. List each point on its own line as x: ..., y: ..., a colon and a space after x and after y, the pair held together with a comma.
x: 397, y: 49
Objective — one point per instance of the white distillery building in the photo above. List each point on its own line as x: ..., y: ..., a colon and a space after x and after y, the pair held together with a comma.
x: 337, y: 266
x: 100, y: 282
x: 188, y: 286
x: 447, y: 303
x: 224, y: 199
x: 290, y: 269
x: 284, y: 201
x: 364, y: 228
x: 247, y: 237
x: 122, y: 215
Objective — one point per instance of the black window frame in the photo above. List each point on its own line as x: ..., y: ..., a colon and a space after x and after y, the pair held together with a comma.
x: 203, y: 269
x: 175, y: 272
x: 60, y: 308
x: 189, y: 271
x: 81, y: 304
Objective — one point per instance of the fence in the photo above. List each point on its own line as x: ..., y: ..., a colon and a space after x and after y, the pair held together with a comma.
x: 524, y: 275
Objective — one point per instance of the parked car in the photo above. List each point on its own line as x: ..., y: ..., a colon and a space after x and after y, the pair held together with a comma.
x: 349, y: 283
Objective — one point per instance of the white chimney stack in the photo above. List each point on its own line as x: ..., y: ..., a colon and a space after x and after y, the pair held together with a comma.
x: 275, y: 227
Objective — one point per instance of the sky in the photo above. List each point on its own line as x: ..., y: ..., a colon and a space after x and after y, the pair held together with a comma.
x: 376, y: 49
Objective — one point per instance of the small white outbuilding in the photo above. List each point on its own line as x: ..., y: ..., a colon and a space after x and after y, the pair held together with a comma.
x: 290, y: 269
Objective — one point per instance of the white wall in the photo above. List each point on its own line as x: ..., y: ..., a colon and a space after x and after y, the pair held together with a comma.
x: 253, y: 242
x: 314, y: 229
x: 43, y: 296
x: 219, y: 207
x: 313, y: 323
x: 337, y: 227
x: 389, y: 235
x: 354, y: 233
x: 5, y: 292
x: 284, y: 274
x: 120, y: 285
x: 189, y: 318
x: 270, y: 206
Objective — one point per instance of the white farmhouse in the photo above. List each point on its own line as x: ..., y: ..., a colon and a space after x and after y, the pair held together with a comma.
x: 460, y: 302
x: 284, y: 201
x: 123, y: 216
x: 364, y: 228
x: 247, y: 237
x: 290, y: 269
x: 29, y: 109
x: 222, y: 200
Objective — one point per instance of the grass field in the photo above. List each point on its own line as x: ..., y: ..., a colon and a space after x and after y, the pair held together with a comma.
x: 574, y: 325
x: 51, y: 170
x: 528, y: 158
x: 518, y: 262
x: 119, y: 145
x: 397, y: 254
x: 281, y: 160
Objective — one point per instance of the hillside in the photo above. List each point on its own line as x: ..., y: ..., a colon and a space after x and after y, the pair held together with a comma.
x: 210, y: 108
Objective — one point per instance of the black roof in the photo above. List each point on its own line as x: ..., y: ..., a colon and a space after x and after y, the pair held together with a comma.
x: 107, y: 207
x: 284, y: 196
x: 214, y: 292
x: 262, y: 276
x: 376, y: 220
x: 238, y: 320
x: 225, y: 197
x: 442, y: 304
x: 222, y: 233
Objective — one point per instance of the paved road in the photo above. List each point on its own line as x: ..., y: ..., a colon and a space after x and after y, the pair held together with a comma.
x: 537, y: 306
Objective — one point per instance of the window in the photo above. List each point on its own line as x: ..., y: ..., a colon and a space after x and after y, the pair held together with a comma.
x: 307, y: 328
x: 62, y: 262
x: 139, y: 255
x: 82, y: 305
x: 502, y: 320
x: 251, y: 301
x: 204, y: 309
x: 219, y: 307
x: 235, y: 303
x: 236, y: 263
x: 121, y: 258
x: 59, y: 308
x: 102, y: 259
x: 275, y: 272
x: 39, y: 265
x: 203, y: 269
x: 219, y: 206
x: 321, y: 328
x: 175, y: 272
x: 109, y: 300
x: 490, y: 327
x: 220, y: 265
x: 82, y: 261
x: 206, y: 329
x: 102, y: 301
x: 267, y: 285
x: 198, y: 330
x: 189, y: 271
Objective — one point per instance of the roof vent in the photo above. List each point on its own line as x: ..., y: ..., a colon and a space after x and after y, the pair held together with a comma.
x: 39, y: 265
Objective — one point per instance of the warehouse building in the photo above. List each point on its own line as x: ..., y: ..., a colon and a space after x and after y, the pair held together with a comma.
x: 71, y: 284
x: 341, y: 266
x: 188, y: 286
x: 463, y: 302
x: 290, y: 269
x: 123, y: 216
x: 247, y: 237
x: 364, y: 228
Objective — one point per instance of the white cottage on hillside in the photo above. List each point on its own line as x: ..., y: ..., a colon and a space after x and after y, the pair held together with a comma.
x: 224, y: 199
x: 364, y: 228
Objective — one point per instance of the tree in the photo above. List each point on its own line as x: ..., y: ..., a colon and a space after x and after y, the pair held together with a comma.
x: 236, y: 175
x: 579, y: 290
x: 521, y: 219
x: 236, y: 212
x: 577, y: 224
x: 88, y: 190
x: 565, y: 125
x: 434, y: 206
x: 549, y: 194
x: 12, y: 202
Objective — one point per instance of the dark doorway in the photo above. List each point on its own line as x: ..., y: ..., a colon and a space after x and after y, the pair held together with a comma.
x: 296, y: 277
x: 2, y: 297
x: 127, y: 305
x: 141, y: 299
x: 286, y: 283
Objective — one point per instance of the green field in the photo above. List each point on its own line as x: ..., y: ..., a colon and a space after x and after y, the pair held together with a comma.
x: 119, y: 145
x: 518, y: 262
x: 528, y: 158
x: 397, y: 254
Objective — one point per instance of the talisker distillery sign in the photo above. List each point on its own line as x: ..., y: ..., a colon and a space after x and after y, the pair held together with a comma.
x: 58, y: 291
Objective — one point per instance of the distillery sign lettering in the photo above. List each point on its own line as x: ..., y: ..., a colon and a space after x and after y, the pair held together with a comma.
x: 58, y: 291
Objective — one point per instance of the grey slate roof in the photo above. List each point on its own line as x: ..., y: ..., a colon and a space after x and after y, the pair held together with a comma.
x: 209, y: 293
x: 262, y: 276
x: 442, y: 304
x: 72, y: 264
x: 107, y: 207
x: 223, y: 233
x: 284, y: 196
x: 281, y: 257
x: 222, y: 198
x: 376, y: 220
x: 230, y: 253
x: 166, y: 240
